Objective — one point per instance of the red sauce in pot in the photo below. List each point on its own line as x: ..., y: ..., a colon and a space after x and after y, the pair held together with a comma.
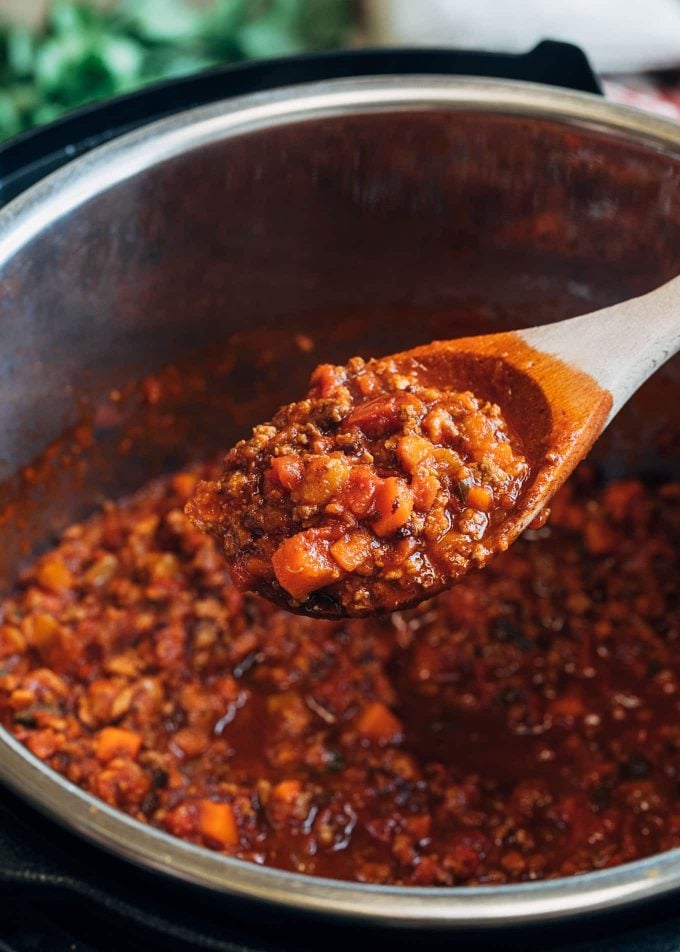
x: 523, y: 725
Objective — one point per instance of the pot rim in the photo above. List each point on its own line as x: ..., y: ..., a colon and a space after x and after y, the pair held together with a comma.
x: 71, y: 186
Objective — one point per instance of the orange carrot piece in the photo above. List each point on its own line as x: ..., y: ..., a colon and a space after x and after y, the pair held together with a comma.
x: 352, y: 550
x: 287, y: 790
x: 479, y: 498
x: 394, y: 505
x: 116, y: 742
x: 184, y: 484
x: 376, y: 722
x: 54, y: 574
x: 322, y: 480
x: 413, y: 451
x: 217, y: 824
x: 303, y: 563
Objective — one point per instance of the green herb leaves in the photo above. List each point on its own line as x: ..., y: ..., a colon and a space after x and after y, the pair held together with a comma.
x: 82, y: 53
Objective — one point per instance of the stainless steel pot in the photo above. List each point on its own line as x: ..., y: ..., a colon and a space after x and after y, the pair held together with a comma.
x: 375, y: 213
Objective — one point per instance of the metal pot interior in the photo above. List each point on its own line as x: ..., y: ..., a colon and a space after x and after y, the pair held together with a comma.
x: 370, y: 216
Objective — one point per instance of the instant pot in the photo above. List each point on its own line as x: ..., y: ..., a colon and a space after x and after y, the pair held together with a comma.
x: 376, y: 200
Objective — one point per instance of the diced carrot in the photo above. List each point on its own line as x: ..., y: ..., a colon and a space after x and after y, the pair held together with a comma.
x: 419, y: 826
x: 322, y: 479
x: 184, y: 484
x: 11, y: 641
x: 287, y: 470
x: 303, y: 563
x: 116, y: 742
x: 43, y: 630
x: 305, y: 343
x: 377, y: 722
x: 217, y: 824
x: 287, y: 791
x: 394, y: 505
x: 424, y: 487
x: 413, y: 451
x: 352, y: 550
x: 598, y: 537
x: 54, y: 574
x: 152, y: 388
x: 479, y: 498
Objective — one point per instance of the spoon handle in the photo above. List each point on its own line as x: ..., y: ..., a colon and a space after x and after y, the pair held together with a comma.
x: 619, y: 346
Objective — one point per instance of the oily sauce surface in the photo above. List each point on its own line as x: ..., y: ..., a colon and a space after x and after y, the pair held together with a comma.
x: 522, y: 725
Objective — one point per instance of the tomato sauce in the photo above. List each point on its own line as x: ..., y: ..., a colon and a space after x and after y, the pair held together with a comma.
x: 523, y: 725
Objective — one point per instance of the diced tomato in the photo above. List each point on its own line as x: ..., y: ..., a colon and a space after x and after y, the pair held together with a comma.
x: 567, y: 706
x: 439, y: 426
x: 425, y: 487
x: 326, y: 378
x: 360, y: 490
x: 620, y: 498
x: 383, y: 415
x: 286, y: 471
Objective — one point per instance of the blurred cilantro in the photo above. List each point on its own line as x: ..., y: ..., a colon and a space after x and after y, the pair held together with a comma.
x: 83, y: 53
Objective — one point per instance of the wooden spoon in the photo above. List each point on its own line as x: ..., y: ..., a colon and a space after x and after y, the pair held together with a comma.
x: 561, y: 384
x: 557, y: 386
x: 584, y: 369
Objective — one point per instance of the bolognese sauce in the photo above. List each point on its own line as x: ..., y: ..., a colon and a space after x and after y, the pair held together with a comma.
x: 375, y: 491
x: 523, y: 725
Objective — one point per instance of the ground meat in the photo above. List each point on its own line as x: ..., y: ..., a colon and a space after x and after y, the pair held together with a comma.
x: 523, y: 725
x: 372, y: 493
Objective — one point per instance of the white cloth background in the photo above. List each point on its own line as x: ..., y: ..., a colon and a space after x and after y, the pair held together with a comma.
x: 617, y: 35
